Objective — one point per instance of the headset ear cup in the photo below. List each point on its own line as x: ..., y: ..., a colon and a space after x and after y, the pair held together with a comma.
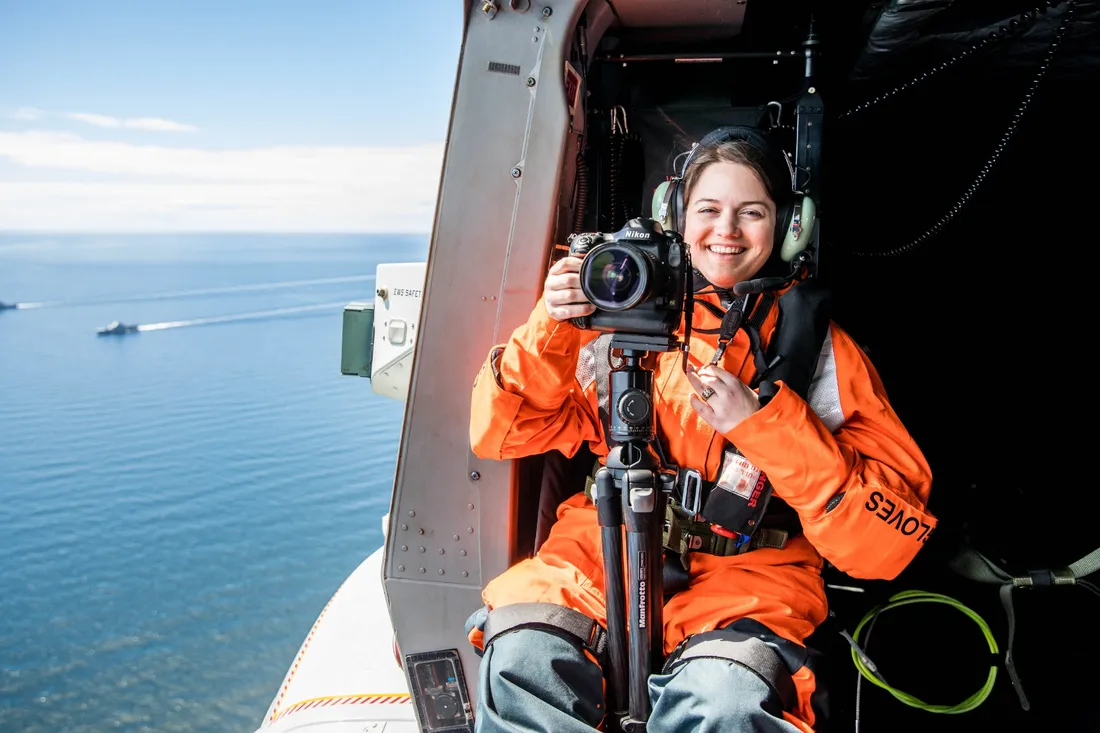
x: 662, y: 200
x: 677, y: 206
x: 799, y: 234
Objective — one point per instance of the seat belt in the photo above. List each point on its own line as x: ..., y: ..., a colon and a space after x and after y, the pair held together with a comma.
x: 972, y: 564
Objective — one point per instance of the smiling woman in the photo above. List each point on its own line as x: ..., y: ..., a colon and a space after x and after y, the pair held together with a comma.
x: 735, y: 193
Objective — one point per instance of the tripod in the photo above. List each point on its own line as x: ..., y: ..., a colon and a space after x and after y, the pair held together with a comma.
x: 631, y: 490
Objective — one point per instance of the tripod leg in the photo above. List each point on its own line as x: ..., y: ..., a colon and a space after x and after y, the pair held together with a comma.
x: 639, y: 496
x: 609, y: 511
x: 657, y: 584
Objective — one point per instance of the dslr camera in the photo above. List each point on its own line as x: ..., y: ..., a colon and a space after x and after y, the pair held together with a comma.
x: 638, y: 279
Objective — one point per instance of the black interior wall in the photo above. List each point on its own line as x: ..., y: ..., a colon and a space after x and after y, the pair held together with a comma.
x: 981, y: 334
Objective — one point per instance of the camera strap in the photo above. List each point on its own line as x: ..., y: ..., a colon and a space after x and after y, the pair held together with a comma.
x: 733, y: 319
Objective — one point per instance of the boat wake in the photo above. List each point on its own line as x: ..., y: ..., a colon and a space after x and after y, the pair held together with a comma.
x: 258, y: 315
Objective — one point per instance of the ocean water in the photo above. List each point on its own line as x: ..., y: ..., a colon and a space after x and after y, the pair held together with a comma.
x: 178, y: 505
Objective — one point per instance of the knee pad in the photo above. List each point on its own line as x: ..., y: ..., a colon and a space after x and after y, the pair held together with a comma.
x: 746, y: 650
x: 571, y: 625
x: 538, y: 680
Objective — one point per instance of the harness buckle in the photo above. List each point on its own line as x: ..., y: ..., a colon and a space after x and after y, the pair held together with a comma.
x: 692, y: 492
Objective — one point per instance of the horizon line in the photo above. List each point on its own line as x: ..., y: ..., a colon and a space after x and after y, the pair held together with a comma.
x: 55, y: 232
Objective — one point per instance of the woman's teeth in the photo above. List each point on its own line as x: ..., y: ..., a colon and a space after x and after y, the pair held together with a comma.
x: 719, y: 249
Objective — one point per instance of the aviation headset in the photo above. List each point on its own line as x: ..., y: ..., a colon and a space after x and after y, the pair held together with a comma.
x: 795, y: 217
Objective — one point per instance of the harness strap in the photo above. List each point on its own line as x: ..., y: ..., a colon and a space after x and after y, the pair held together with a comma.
x: 742, y: 649
x: 761, y: 309
x: 548, y: 617
x: 684, y: 536
x: 602, y: 354
x: 1087, y: 565
x: 972, y: 564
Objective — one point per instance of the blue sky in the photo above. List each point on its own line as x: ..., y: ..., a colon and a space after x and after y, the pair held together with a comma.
x: 202, y: 115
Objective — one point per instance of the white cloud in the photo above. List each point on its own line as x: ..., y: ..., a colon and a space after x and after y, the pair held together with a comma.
x: 27, y: 113
x: 97, y: 120
x: 151, y: 188
x: 136, y: 123
x: 156, y: 123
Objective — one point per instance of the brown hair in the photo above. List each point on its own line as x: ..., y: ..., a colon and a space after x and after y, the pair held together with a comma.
x: 772, y: 173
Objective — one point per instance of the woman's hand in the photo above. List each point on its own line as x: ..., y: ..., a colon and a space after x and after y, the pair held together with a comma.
x: 562, y: 292
x: 720, y: 398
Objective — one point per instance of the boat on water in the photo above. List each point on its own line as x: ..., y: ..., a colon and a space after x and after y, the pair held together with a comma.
x: 116, y: 328
x: 8, y: 306
x: 567, y: 116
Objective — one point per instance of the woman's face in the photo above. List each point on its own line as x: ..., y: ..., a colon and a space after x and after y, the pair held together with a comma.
x: 729, y: 223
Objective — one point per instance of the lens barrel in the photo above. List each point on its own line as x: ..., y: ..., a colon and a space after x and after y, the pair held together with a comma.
x: 615, y: 276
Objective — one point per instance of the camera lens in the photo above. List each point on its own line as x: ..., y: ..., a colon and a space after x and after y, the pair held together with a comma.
x: 615, y: 277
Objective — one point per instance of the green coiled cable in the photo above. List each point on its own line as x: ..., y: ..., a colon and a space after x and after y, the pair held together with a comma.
x: 867, y: 668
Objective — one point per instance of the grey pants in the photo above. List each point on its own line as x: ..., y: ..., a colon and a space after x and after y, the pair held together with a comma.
x: 532, y: 681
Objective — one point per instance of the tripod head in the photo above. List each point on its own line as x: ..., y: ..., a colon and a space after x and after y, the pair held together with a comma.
x: 632, y: 437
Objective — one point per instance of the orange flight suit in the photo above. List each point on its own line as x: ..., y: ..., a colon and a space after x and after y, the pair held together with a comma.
x: 527, y: 400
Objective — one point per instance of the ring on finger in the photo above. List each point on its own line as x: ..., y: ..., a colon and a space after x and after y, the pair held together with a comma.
x: 707, y: 393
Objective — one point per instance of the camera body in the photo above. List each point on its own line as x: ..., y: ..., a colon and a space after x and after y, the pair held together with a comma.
x: 638, y: 278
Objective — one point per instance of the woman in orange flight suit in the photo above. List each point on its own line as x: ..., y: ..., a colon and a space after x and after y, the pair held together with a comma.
x: 856, y: 479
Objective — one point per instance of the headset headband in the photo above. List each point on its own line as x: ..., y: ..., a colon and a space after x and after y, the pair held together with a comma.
x: 753, y: 137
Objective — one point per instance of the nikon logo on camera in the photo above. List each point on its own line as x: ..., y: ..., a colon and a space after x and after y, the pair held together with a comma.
x: 630, y: 234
